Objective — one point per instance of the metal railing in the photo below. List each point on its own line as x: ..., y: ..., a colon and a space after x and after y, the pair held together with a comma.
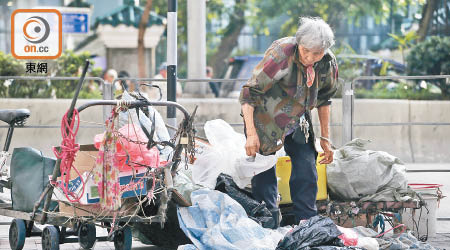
x: 348, y: 105
x: 107, y: 89
x: 348, y: 99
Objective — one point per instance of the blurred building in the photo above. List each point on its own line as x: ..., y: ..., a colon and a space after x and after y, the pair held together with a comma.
x: 114, y: 39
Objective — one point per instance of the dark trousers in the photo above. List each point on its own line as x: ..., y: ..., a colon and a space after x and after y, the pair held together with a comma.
x: 303, y: 181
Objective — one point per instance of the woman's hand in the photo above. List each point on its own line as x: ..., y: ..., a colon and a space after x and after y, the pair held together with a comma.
x: 327, y: 152
x: 252, y: 144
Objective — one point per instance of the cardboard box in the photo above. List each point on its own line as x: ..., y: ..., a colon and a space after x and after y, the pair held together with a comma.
x: 85, y: 163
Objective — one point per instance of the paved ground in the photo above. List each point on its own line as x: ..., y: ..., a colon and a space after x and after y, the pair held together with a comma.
x: 442, y: 240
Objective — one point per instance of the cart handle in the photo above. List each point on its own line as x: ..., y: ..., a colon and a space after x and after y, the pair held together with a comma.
x: 133, y: 104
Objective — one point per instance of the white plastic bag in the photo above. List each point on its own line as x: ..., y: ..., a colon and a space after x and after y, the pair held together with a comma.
x: 247, y: 167
x: 227, y: 155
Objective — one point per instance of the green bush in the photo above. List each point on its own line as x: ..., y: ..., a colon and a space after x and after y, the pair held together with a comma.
x: 69, y: 64
x: 394, y: 90
x: 431, y: 57
x: 9, y: 66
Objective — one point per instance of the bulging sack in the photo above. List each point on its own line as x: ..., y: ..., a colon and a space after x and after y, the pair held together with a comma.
x: 357, y: 172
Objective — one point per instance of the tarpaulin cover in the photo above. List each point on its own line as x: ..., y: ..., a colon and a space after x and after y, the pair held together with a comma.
x: 216, y: 221
x: 348, y: 174
x: 255, y: 210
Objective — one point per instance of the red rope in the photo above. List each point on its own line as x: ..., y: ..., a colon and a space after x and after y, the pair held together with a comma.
x: 68, y: 152
x: 399, y: 225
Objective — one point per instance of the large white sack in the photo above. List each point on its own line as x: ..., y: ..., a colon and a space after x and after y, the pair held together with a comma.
x: 357, y: 172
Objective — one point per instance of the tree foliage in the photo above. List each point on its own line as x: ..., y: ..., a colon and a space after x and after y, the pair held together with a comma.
x: 230, y: 17
x: 431, y: 57
x: 219, y: 44
x: 71, y: 64
x: 331, y: 11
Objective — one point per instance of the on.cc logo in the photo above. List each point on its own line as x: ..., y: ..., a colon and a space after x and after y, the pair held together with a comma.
x: 39, y: 26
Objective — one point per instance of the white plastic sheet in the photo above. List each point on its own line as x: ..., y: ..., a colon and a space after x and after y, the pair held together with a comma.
x: 227, y: 155
x: 216, y: 221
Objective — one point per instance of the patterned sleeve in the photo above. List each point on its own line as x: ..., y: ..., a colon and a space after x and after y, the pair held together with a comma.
x: 269, y: 70
x: 328, y: 85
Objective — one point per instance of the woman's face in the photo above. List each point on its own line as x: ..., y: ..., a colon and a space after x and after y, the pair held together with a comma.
x: 310, y: 56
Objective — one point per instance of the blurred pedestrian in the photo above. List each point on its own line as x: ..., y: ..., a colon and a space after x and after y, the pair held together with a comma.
x: 109, y: 76
x: 126, y: 84
x: 214, y: 86
x: 153, y: 93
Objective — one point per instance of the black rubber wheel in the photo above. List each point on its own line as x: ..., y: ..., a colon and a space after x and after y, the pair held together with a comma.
x: 50, y: 238
x: 87, y: 236
x: 123, y: 239
x: 17, y: 234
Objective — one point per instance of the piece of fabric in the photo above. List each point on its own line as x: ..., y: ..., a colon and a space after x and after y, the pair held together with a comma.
x: 216, y: 221
x: 310, y: 75
x: 106, y: 169
x: 279, y: 93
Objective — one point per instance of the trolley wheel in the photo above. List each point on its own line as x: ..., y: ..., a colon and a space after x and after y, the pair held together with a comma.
x: 17, y: 234
x: 50, y: 238
x: 87, y: 236
x: 123, y: 239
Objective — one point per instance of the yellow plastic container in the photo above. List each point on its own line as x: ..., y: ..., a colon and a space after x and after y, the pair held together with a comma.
x: 283, y: 171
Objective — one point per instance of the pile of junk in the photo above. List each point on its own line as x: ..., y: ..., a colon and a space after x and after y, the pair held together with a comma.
x: 364, y: 200
x: 185, y: 192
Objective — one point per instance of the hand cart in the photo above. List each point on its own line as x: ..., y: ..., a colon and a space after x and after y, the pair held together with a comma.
x: 61, y: 229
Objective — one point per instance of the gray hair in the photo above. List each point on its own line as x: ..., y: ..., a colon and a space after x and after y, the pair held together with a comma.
x: 314, y: 33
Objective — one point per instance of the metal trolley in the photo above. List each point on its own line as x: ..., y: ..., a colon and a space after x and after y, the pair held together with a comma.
x: 61, y: 229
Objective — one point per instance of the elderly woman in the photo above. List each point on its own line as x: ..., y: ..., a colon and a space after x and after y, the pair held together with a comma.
x: 296, y: 75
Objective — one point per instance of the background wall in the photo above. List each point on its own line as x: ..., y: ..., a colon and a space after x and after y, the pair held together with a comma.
x: 410, y: 143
